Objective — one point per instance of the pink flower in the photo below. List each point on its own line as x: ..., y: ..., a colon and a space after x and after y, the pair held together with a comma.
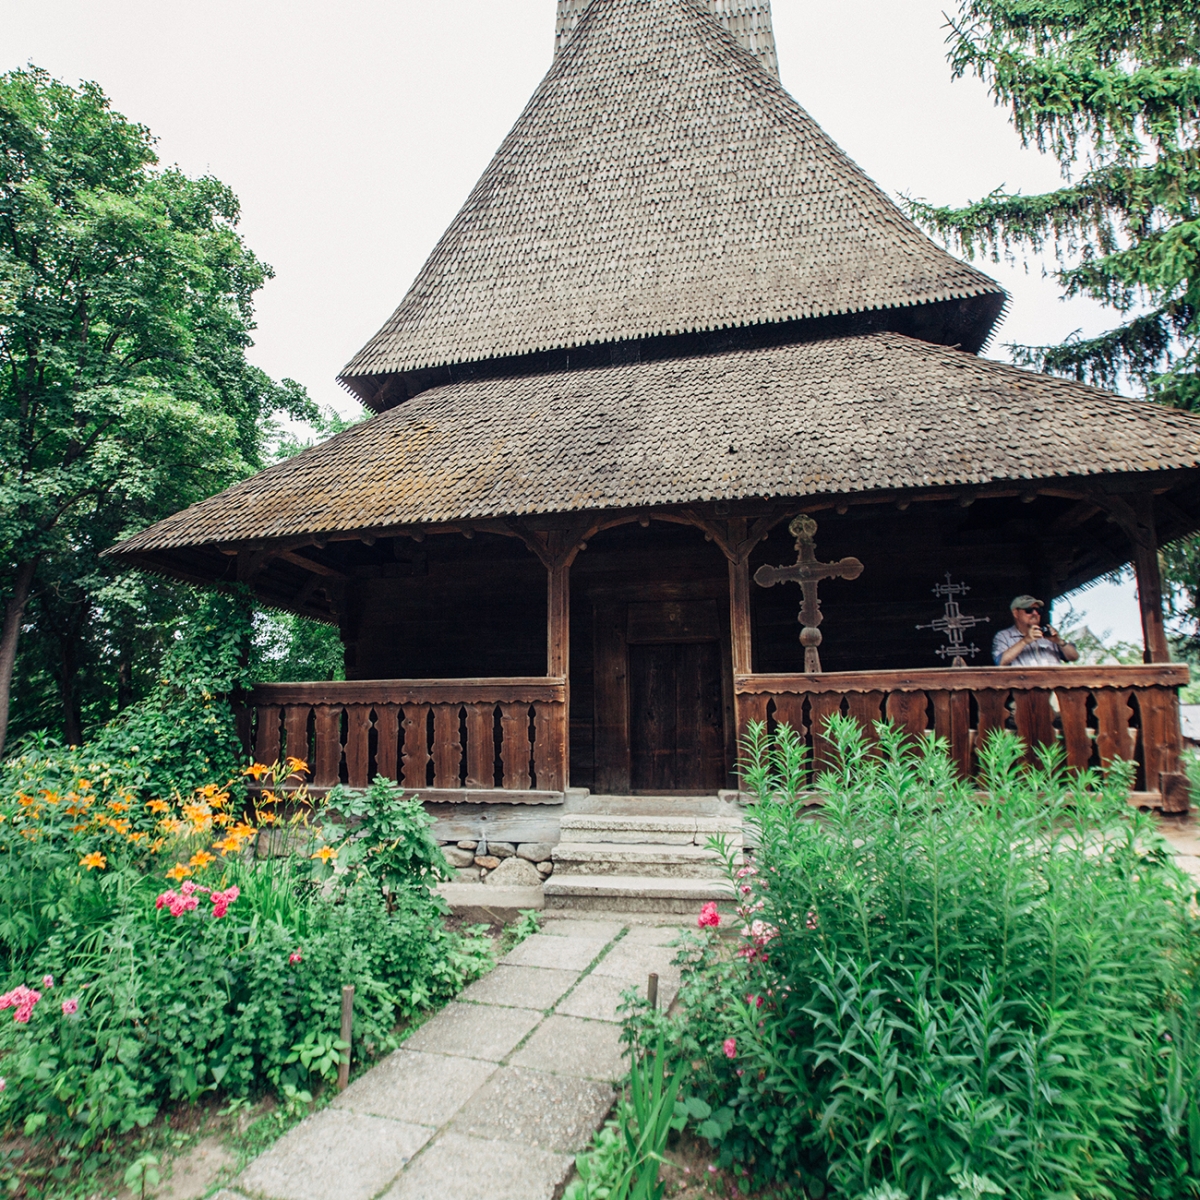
x: 811, y: 920
x: 47, y: 982
x: 294, y: 957
x: 740, y: 1072
x: 22, y: 999
x: 761, y: 933
x: 711, y: 1169
x: 3, y: 1083
x: 755, y: 1000
x: 168, y: 897
x: 222, y: 900
x: 730, y: 1047
x: 70, y: 1007
x: 709, y: 916
x: 188, y: 888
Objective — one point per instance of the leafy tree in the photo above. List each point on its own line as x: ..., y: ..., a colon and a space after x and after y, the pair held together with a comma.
x: 1111, y: 88
x: 125, y: 394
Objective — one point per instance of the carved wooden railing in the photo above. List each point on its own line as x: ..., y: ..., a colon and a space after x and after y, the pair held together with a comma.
x: 1098, y: 713
x: 449, y: 739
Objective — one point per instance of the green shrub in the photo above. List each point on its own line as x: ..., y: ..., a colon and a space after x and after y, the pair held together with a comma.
x: 223, y: 972
x: 938, y: 992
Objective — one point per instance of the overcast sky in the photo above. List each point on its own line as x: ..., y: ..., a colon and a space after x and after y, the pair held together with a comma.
x: 353, y: 131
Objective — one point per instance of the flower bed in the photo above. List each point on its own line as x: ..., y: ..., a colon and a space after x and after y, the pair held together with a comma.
x: 931, y: 994
x: 157, y: 950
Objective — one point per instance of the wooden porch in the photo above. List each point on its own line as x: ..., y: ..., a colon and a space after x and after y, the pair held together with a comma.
x: 449, y: 739
x: 1097, y: 714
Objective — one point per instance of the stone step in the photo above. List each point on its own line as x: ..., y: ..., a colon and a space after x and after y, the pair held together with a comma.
x: 642, y: 859
x: 632, y: 893
x: 674, y: 831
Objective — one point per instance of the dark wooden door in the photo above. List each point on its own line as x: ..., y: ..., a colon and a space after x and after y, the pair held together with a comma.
x: 676, y: 731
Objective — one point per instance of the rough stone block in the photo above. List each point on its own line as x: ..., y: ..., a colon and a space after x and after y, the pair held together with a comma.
x: 458, y: 858
x: 467, y: 844
x: 514, y: 872
x: 501, y: 849
x: 564, y: 953
x: 489, y: 862
x: 520, y: 987
x: 399, y: 1087
x: 464, y: 1168
x: 552, y: 1112
x: 535, y: 852
x: 474, y: 1031
x: 572, y: 1046
x: 334, y: 1153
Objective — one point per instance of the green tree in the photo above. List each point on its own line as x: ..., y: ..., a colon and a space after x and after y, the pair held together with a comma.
x: 1111, y: 88
x: 125, y: 394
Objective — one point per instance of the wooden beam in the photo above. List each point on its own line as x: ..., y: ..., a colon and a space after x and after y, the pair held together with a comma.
x: 1149, y: 580
x: 968, y: 679
x: 311, y: 564
x: 741, y: 643
x: 558, y: 619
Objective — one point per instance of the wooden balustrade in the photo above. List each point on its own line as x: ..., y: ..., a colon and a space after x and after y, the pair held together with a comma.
x: 1098, y: 713
x: 448, y: 739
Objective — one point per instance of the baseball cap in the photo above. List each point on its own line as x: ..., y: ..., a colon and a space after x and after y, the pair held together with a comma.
x: 1026, y: 601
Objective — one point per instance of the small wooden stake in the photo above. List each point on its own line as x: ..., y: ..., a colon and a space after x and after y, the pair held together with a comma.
x: 652, y: 990
x: 347, y: 1031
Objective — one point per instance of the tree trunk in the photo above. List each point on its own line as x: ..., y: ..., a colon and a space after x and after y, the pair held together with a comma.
x: 14, y: 614
x: 68, y: 673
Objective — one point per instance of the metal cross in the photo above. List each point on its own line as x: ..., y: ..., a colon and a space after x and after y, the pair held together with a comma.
x: 953, y: 623
x: 806, y: 571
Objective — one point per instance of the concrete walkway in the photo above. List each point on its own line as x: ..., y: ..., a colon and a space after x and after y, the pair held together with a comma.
x: 492, y: 1098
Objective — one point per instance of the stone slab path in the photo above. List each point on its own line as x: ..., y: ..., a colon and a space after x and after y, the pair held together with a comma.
x: 490, y: 1099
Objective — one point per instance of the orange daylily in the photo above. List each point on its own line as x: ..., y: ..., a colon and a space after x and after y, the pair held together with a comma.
x: 201, y: 859
x: 95, y: 859
x: 257, y: 770
x: 158, y: 806
x: 325, y: 853
x: 179, y: 871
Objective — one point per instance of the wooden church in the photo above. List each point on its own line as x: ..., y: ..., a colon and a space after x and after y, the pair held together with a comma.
x: 674, y: 337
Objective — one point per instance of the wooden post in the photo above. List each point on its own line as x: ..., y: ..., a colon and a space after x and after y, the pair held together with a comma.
x: 1149, y: 581
x: 343, y: 1079
x: 739, y: 598
x: 558, y: 659
x: 652, y: 990
x: 558, y: 619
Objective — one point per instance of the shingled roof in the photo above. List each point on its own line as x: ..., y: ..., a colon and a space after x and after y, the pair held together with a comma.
x: 659, y: 182
x: 749, y: 21
x: 839, y: 416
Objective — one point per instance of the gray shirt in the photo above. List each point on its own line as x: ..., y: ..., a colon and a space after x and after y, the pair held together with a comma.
x: 1042, y: 653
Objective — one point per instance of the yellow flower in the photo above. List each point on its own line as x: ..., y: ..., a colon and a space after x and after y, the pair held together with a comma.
x: 201, y: 859
x: 325, y: 853
x: 118, y: 806
x: 24, y: 801
x: 83, y: 784
x: 257, y: 770
x: 95, y: 859
x: 137, y: 838
x: 158, y: 806
x: 295, y: 766
x: 179, y: 871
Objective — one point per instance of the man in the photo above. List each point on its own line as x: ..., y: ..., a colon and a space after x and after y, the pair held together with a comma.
x: 1029, y: 643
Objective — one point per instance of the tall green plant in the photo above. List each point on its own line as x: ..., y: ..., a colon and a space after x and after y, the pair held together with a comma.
x: 934, y: 984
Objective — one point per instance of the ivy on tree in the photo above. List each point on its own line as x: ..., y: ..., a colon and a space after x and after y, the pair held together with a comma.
x: 1112, y: 90
x: 125, y: 313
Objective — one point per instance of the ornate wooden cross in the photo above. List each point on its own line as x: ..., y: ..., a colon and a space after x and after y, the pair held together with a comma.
x: 806, y: 571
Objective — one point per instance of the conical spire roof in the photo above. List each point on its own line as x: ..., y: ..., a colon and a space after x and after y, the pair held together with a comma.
x: 659, y: 182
